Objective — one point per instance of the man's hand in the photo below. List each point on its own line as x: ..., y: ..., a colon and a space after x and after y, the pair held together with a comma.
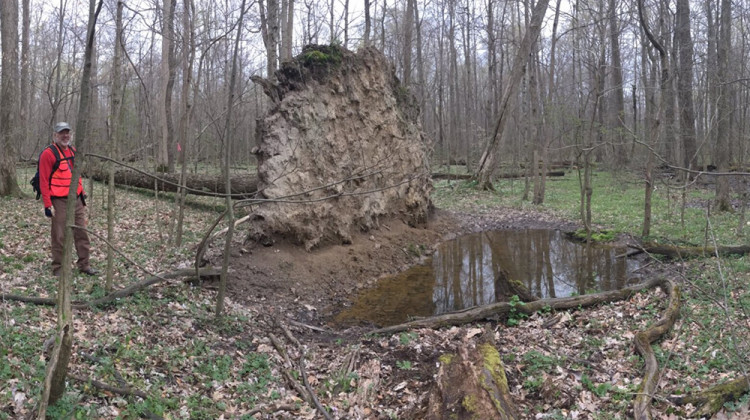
x: 49, y: 211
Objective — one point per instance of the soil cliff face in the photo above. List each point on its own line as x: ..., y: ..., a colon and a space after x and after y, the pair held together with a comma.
x: 340, y: 148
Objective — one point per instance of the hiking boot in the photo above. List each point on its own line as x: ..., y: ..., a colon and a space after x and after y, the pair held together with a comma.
x: 89, y: 271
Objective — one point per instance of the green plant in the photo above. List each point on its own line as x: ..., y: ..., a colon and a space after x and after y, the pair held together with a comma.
x: 406, y: 337
x: 514, y: 316
x: 600, y: 390
x: 403, y: 364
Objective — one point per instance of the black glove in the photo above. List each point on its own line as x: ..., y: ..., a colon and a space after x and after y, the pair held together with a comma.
x: 49, y: 211
x: 83, y: 199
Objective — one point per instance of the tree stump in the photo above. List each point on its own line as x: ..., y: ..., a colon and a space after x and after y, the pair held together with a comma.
x: 471, y: 385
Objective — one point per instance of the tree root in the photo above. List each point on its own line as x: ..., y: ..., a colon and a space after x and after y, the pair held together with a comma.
x: 498, y: 309
x: 643, y: 340
x: 710, y: 401
x: 118, y: 294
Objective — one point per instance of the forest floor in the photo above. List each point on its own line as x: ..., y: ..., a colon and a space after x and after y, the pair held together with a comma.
x: 278, y: 339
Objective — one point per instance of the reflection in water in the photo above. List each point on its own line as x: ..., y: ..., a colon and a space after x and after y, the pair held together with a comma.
x: 472, y: 269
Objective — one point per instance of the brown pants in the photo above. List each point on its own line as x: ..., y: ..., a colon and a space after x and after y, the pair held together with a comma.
x: 80, y: 236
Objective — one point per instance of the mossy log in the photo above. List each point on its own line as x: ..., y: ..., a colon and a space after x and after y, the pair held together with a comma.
x: 676, y: 252
x: 643, y: 340
x: 710, y: 401
x: 471, y: 385
x: 501, y: 309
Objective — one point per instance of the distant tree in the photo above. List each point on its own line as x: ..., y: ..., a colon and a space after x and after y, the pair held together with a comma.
x: 723, y: 105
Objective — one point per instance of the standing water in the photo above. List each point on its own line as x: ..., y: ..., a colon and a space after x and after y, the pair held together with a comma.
x: 475, y: 270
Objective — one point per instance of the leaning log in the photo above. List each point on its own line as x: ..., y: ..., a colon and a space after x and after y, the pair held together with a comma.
x: 197, y: 184
x: 676, y: 252
x: 471, y: 384
x: 501, y: 309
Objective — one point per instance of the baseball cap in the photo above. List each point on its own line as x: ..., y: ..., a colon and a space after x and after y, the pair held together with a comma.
x: 61, y: 126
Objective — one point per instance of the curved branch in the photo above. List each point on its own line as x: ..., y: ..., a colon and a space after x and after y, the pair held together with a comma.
x: 643, y: 340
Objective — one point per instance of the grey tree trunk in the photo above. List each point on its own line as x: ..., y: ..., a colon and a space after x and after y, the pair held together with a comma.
x: 723, y: 132
x: 617, y: 114
x: 9, y: 97
x: 685, y: 84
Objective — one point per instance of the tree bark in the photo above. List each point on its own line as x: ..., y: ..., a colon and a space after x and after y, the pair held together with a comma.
x: 9, y: 98
x: 685, y: 85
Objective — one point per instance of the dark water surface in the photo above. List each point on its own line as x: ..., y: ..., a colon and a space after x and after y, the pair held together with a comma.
x: 474, y: 269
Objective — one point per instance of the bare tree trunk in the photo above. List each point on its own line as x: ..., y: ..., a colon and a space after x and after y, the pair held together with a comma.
x: 114, y: 139
x: 368, y: 24
x: 487, y: 163
x: 227, y: 155
x: 685, y: 84
x: 25, y: 70
x: 408, y: 31
x: 186, y: 107
x: 287, y: 31
x: 723, y: 143
x: 9, y: 100
x: 617, y: 114
x: 169, y: 70
x: 54, y: 384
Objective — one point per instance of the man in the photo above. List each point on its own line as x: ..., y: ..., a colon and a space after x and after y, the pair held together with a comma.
x: 54, y: 186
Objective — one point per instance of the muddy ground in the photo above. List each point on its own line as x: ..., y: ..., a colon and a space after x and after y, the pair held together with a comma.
x: 327, y: 278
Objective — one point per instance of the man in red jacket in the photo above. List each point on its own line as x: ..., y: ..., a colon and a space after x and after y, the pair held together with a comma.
x: 55, y: 186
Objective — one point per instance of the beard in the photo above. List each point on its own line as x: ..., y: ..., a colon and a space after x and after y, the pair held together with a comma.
x: 63, y: 142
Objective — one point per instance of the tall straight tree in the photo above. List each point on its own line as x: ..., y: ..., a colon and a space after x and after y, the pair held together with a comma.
x: 168, y: 73
x: 685, y: 84
x: 723, y: 106
x: 9, y: 97
x: 617, y: 111
x: 488, y: 162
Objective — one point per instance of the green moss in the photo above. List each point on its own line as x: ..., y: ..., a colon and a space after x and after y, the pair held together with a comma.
x: 494, y: 365
x: 321, y: 55
x: 470, y: 403
x: 447, y: 358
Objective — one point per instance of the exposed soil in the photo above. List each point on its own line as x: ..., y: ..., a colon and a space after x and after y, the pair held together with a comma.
x: 314, y: 285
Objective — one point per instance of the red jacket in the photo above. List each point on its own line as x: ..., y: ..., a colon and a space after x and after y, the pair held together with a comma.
x: 62, y: 177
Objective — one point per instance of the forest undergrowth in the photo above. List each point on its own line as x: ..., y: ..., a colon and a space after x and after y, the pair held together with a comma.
x: 166, y: 343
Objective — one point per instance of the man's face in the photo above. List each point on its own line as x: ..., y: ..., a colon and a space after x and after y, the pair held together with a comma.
x: 63, y: 138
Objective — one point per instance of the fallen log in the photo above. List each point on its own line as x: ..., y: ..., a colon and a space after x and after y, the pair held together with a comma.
x: 117, y: 294
x: 676, y: 252
x: 471, y: 385
x: 500, y: 309
x: 197, y: 184
x: 708, y: 402
x: 514, y: 175
x: 643, y: 340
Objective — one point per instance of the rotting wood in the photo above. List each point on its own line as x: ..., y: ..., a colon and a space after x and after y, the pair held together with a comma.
x: 499, y: 309
x: 676, y: 252
x: 472, y: 384
x: 118, y: 294
x: 643, y: 340
x: 708, y: 402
